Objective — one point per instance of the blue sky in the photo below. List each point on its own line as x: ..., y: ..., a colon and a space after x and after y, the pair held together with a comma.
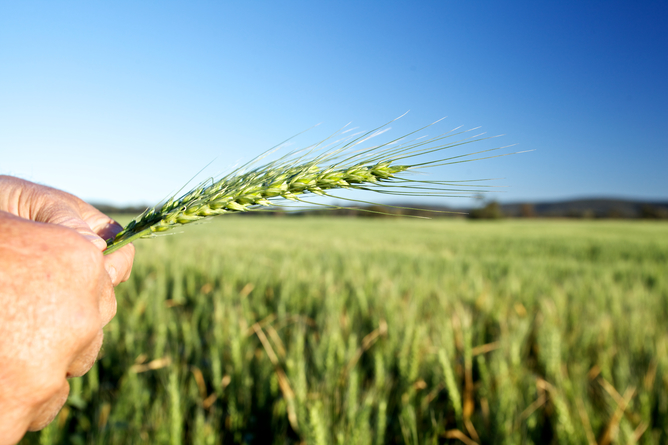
x: 123, y: 102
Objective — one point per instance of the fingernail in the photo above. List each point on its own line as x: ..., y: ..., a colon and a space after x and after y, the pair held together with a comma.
x: 91, y: 237
x: 111, y: 270
x: 96, y: 240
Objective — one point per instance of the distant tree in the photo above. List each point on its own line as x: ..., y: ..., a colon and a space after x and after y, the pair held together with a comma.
x: 491, y: 210
x: 615, y: 213
x: 579, y: 213
x: 648, y: 211
x: 527, y: 210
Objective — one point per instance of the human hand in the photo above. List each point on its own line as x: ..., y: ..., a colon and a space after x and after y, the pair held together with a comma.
x: 56, y: 294
x: 47, y: 205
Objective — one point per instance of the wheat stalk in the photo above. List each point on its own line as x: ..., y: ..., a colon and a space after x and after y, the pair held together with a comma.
x: 315, y: 170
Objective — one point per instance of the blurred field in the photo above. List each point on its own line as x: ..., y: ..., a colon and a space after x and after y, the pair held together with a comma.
x: 373, y: 331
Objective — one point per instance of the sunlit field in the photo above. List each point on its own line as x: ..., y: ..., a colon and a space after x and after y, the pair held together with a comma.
x: 384, y: 331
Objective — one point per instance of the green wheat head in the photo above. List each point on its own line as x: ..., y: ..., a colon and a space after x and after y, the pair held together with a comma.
x: 316, y: 170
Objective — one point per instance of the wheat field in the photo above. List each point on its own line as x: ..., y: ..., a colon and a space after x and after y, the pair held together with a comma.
x: 294, y: 330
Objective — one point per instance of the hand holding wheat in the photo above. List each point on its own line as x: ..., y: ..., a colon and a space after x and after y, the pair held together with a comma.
x: 56, y: 294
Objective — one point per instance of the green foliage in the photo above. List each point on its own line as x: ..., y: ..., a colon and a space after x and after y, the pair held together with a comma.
x: 346, y: 331
x: 491, y: 210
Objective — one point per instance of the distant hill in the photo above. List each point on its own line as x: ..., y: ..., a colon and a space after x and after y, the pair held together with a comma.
x: 576, y: 208
x: 588, y: 208
x: 109, y: 209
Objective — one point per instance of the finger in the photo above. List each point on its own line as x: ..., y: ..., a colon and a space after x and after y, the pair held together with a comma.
x: 49, y: 410
x: 85, y: 359
x: 107, y: 302
x: 90, y: 337
x: 67, y: 216
x: 102, y: 225
x: 83, y: 229
x: 52, y: 206
x: 108, y: 308
x: 119, y: 264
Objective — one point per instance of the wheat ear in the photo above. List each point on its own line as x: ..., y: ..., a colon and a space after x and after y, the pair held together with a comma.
x: 341, y: 165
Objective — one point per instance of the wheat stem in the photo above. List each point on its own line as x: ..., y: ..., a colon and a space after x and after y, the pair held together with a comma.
x: 114, y: 246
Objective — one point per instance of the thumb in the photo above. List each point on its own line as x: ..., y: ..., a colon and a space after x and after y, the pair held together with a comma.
x: 84, y: 230
x: 67, y: 217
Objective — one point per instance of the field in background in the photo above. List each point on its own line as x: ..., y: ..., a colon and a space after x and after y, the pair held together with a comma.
x: 347, y: 331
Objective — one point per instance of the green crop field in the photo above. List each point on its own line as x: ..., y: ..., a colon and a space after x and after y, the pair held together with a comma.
x: 384, y: 331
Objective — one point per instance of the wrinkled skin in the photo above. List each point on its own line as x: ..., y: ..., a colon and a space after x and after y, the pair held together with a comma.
x: 56, y: 295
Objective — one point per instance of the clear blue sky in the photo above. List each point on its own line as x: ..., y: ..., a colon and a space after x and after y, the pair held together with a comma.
x: 122, y: 102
